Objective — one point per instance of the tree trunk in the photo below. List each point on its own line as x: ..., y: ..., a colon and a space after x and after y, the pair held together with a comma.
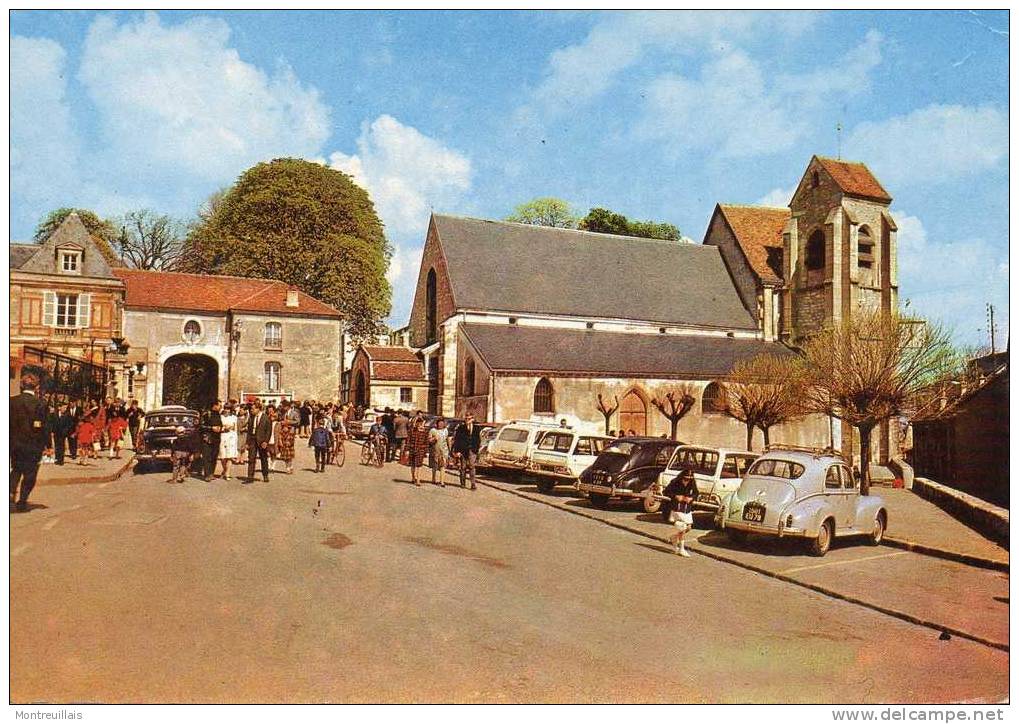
x: 767, y: 437
x: 675, y: 427
x: 608, y: 420
x: 865, y: 431
x: 750, y: 437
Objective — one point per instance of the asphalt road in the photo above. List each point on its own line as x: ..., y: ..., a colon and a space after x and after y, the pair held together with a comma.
x: 354, y: 586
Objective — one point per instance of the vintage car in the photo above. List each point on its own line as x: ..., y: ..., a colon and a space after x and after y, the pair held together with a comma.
x: 160, y: 430
x: 358, y: 429
x: 511, y: 449
x: 626, y: 469
x: 562, y: 455
x: 803, y: 493
x: 487, y: 436
x: 716, y: 471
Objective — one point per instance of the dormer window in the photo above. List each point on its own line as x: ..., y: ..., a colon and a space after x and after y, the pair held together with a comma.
x: 70, y: 262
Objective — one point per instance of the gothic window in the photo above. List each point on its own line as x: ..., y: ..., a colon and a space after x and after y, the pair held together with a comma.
x: 272, y: 376
x: 865, y: 247
x: 431, y: 332
x: 469, y: 377
x: 815, y: 180
x: 815, y: 251
x: 273, y: 335
x: 544, y: 396
x: 192, y: 331
x: 713, y: 399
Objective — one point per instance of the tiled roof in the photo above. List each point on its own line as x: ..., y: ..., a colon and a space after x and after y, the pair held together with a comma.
x: 383, y: 353
x: 398, y: 371
x: 758, y: 229
x: 854, y: 178
x: 511, y: 348
x: 20, y: 253
x: 211, y: 293
x: 506, y: 267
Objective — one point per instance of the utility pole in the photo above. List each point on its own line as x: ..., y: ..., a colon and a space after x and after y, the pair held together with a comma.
x: 990, y: 325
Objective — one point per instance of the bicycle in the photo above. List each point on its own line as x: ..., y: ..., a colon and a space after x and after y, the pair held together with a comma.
x: 338, y: 454
x: 373, y: 452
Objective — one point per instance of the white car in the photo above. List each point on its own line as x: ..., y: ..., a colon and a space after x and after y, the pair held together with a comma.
x: 512, y: 447
x: 562, y: 455
x: 717, y: 472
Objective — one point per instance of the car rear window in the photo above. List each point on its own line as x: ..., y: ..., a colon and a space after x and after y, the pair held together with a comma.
x: 513, y: 434
x: 699, y: 461
x: 556, y: 441
x: 590, y: 446
x: 170, y: 420
x: 777, y: 468
x: 621, y: 448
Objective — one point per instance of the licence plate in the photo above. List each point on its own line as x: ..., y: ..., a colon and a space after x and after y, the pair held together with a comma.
x: 753, y: 513
x: 704, y: 498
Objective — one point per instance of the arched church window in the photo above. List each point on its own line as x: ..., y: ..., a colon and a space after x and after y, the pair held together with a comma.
x: 469, y: 377
x: 865, y: 247
x: 431, y: 332
x: 713, y: 399
x: 544, y: 396
x: 815, y: 251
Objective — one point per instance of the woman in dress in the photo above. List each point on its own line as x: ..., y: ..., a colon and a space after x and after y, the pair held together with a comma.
x: 228, y: 439
x: 438, y: 443
x: 286, y: 431
x: 242, y: 432
x: 117, y: 425
x: 416, y: 448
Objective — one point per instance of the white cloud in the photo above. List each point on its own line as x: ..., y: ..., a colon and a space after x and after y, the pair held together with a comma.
x: 736, y: 109
x: 402, y: 275
x: 951, y: 281
x: 932, y: 144
x: 406, y: 172
x: 44, y: 145
x: 777, y: 197
x: 178, y: 98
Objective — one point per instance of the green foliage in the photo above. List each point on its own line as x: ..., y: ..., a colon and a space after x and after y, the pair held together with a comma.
x: 545, y: 211
x: 304, y: 224
x: 102, y: 231
x: 609, y: 222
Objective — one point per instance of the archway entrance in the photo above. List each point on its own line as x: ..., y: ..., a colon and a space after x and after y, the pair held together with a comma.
x: 191, y: 380
x: 633, y: 413
x: 360, y: 389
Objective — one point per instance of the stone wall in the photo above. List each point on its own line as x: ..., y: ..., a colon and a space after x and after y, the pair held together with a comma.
x: 719, y: 234
x: 386, y: 394
x: 431, y: 258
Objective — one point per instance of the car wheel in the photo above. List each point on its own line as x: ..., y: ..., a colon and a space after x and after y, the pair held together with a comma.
x: 546, y: 486
x: 652, y: 505
x: 599, y: 500
x: 820, y: 545
x: 739, y: 537
x: 878, y: 534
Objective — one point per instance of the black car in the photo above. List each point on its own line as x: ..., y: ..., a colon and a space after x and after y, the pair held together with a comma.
x: 156, y: 439
x: 626, y: 468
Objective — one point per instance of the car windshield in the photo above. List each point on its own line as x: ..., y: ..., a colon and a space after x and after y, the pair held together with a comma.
x: 773, y: 468
x: 699, y: 461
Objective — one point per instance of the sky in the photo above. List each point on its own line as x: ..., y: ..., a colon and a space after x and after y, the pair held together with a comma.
x: 657, y: 115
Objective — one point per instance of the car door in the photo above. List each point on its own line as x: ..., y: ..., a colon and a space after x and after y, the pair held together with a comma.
x: 851, y: 486
x: 838, y: 500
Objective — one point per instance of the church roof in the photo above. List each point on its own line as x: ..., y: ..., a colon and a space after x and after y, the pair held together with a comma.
x: 512, y: 348
x: 758, y: 229
x: 22, y: 252
x: 216, y: 294
x: 506, y: 267
x: 854, y: 178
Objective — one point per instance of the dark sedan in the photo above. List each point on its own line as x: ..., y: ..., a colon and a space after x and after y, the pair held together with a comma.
x: 157, y: 437
x: 626, y: 468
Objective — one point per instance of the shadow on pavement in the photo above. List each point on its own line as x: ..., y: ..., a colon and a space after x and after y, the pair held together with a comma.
x: 29, y: 508
x: 788, y: 547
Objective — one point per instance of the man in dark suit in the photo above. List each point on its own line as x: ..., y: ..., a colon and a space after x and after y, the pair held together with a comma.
x: 259, y: 433
x: 211, y: 430
x: 75, y: 410
x: 29, y: 436
x: 466, y: 444
x: 62, y: 431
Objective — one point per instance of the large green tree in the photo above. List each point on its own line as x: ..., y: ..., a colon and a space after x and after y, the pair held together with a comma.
x: 609, y: 222
x: 304, y: 224
x: 545, y: 211
x: 102, y: 231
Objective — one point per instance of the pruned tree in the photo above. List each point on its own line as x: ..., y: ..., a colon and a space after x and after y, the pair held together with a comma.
x: 148, y: 240
x: 545, y: 211
x: 606, y: 411
x: 675, y: 405
x: 765, y: 391
x: 868, y: 368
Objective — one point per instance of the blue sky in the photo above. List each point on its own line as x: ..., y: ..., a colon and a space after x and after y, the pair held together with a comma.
x: 656, y: 115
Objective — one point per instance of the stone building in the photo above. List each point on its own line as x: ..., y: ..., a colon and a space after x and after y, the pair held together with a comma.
x: 388, y: 376
x: 66, y: 312
x: 222, y: 336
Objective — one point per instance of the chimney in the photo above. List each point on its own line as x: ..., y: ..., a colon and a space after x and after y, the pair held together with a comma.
x: 292, y: 297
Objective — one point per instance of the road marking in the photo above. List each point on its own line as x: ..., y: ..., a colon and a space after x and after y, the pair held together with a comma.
x: 20, y: 549
x: 50, y: 524
x: 839, y: 563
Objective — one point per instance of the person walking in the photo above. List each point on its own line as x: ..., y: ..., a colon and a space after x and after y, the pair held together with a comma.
x: 305, y: 418
x: 417, y: 448
x: 401, y: 426
x: 466, y: 444
x: 438, y: 446
x: 320, y: 438
x: 259, y: 432
x: 134, y: 421
x: 65, y: 431
x: 211, y: 428
x: 75, y: 411
x: 681, y: 493
x: 228, y: 439
x: 52, y: 419
x: 389, y: 428
x: 28, y: 439
x: 86, y: 436
x: 185, y: 446
x: 243, y: 414
x: 117, y: 426
x: 286, y: 431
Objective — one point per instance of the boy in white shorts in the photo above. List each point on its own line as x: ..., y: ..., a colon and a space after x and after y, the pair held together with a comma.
x: 681, y: 493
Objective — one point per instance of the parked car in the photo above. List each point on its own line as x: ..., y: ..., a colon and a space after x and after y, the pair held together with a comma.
x: 718, y: 473
x: 358, y: 429
x: 511, y: 450
x: 562, y: 455
x: 159, y: 430
x: 487, y: 437
x: 802, y: 493
x: 626, y: 468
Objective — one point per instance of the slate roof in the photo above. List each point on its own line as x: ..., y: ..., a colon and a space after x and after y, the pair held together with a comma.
x: 512, y: 348
x: 854, y: 178
x: 22, y: 252
x: 70, y: 234
x: 758, y: 229
x: 398, y: 371
x: 507, y: 267
x: 217, y: 294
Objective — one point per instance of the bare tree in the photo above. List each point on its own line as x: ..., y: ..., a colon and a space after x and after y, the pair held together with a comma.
x: 675, y: 405
x: 765, y: 391
x: 150, y: 241
x: 606, y: 411
x: 867, y: 370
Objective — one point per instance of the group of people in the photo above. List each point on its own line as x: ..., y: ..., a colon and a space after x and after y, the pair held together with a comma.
x: 82, y: 430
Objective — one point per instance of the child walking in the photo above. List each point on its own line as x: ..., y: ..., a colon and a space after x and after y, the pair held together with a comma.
x: 681, y: 493
x: 184, y: 448
x: 86, y: 438
x: 321, y: 439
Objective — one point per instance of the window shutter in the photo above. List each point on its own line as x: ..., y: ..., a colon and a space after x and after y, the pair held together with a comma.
x: 49, y: 309
x: 84, y: 310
